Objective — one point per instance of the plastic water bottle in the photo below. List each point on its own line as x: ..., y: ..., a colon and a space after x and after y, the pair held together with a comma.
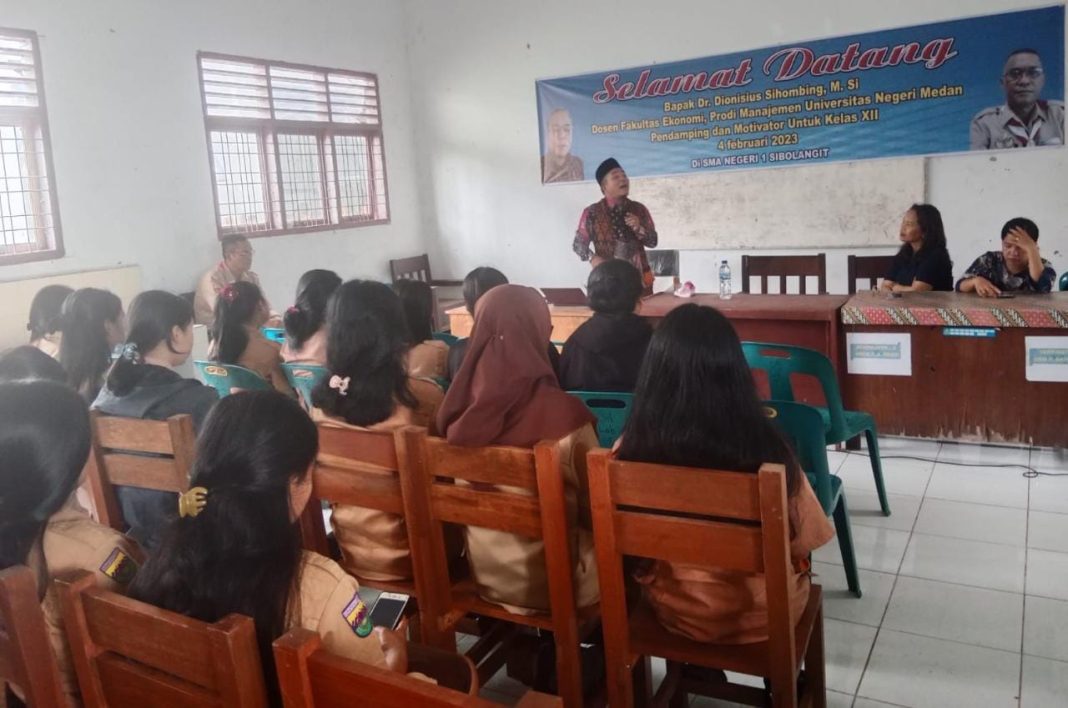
x: 724, y: 281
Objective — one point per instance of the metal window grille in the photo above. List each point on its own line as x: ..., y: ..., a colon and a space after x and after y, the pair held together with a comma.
x: 293, y: 148
x: 29, y: 218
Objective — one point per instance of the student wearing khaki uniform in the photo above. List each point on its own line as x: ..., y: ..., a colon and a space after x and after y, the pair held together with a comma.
x: 237, y: 338
x: 506, y: 393
x: 369, y: 389
x: 696, y: 406
x: 236, y: 546
x: 44, y: 444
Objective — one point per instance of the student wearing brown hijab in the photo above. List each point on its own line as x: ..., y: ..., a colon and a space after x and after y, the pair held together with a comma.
x: 506, y: 393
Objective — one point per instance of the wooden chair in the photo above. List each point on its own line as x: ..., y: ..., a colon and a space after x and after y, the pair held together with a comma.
x: 26, y: 658
x: 870, y: 268
x: 432, y: 497
x: 729, y: 520
x: 310, y: 677
x: 128, y: 653
x: 418, y: 268
x: 782, y: 267
x: 150, y: 454
x: 358, y: 468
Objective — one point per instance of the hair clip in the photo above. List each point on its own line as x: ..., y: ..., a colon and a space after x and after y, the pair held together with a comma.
x: 292, y: 310
x: 192, y: 502
x: 229, y: 293
x: 341, y: 385
x: 131, y: 353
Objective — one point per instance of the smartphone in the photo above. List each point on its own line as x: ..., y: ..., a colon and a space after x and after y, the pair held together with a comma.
x: 389, y: 609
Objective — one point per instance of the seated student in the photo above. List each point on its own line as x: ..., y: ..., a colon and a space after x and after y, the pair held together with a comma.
x: 29, y: 362
x: 696, y: 406
x: 305, y: 320
x: 45, y: 320
x: 1017, y: 267
x: 44, y: 444
x: 428, y: 357
x: 92, y: 324
x: 476, y: 284
x: 507, y: 394
x: 142, y: 384
x: 923, y: 262
x: 237, y: 547
x: 605, y: 352
x: 237, y: 337
x: 369, y: 388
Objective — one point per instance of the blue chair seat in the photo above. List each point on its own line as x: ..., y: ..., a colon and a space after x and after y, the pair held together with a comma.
x: 611, y: 409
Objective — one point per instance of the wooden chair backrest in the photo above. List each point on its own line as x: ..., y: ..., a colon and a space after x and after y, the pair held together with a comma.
x: 354, y: 467
x: 732, y: 521
x: 533, y: 506
x: 869, y: 268
x: 764, y: 267
x: 150, y: 454
x: 412, y: 268
x: 128, y: 653
x: 310, y: 677
x: 26, y: 658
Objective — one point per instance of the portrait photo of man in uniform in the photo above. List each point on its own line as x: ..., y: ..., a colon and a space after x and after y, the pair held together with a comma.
x: 1025, y: 120
x: 558, y: 164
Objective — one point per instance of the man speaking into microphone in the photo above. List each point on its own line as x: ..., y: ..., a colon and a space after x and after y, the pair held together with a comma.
x: 616, y: 227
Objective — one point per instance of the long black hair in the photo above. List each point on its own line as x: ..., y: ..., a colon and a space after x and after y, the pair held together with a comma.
x: 153, y: 316
x: 242, y: 552
x: 28, y: 362
x: 367, y: 344
x: 308, y: 313
x: 417, y: 301
x: 45, y: 310
x: 695, y: 404
x: 44, y: 443
x: 235, y: 309
x: 84, y: 351
x: 929, y: 221
x: 480, y: 281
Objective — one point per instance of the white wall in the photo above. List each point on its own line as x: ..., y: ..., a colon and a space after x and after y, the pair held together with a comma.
x: 128, y: 140
x: 475, y: 63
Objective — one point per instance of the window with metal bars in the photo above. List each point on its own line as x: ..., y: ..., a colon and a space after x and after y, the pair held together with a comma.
x: 29, y: 217
x: 293, y: 148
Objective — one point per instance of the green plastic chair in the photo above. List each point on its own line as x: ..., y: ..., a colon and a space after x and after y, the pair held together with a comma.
x: 839, y: 425
x: 802, y: 426
x: 303, y: 378
x: 1063, y: 285
x: 449, y: 339
x: 275, y: 334
x: 612, y: 410
x: 230, y: 378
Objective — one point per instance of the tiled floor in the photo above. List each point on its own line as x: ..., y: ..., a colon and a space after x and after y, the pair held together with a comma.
x: 965, y: 585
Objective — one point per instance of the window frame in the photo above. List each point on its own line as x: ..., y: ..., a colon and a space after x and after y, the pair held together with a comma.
x: 268, y: 130
x: 36, y: 118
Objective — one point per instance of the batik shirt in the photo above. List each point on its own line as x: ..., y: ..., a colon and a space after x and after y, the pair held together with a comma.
x: 991, y: 265
x: 603, y: 231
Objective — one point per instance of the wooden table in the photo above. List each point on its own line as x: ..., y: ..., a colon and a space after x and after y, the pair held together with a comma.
x: 804, y: 320
x: 969, y: 388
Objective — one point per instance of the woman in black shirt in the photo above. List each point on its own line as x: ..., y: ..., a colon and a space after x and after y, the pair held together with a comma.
x: 923, y: 262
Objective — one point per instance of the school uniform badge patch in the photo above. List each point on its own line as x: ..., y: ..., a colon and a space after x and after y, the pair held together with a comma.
x: 357, y: 616
x: 119, y: 567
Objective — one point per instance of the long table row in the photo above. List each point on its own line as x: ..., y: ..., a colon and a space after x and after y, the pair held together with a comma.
x: 936, y: 365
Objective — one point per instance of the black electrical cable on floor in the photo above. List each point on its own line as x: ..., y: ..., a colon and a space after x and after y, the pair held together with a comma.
x: 1029, y: 472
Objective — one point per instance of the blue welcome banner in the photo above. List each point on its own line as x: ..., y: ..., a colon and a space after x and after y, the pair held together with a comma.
x: 929, y: 89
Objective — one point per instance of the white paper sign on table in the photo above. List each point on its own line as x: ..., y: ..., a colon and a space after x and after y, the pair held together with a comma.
x: 879, y: 353
x: 1046, y: 358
